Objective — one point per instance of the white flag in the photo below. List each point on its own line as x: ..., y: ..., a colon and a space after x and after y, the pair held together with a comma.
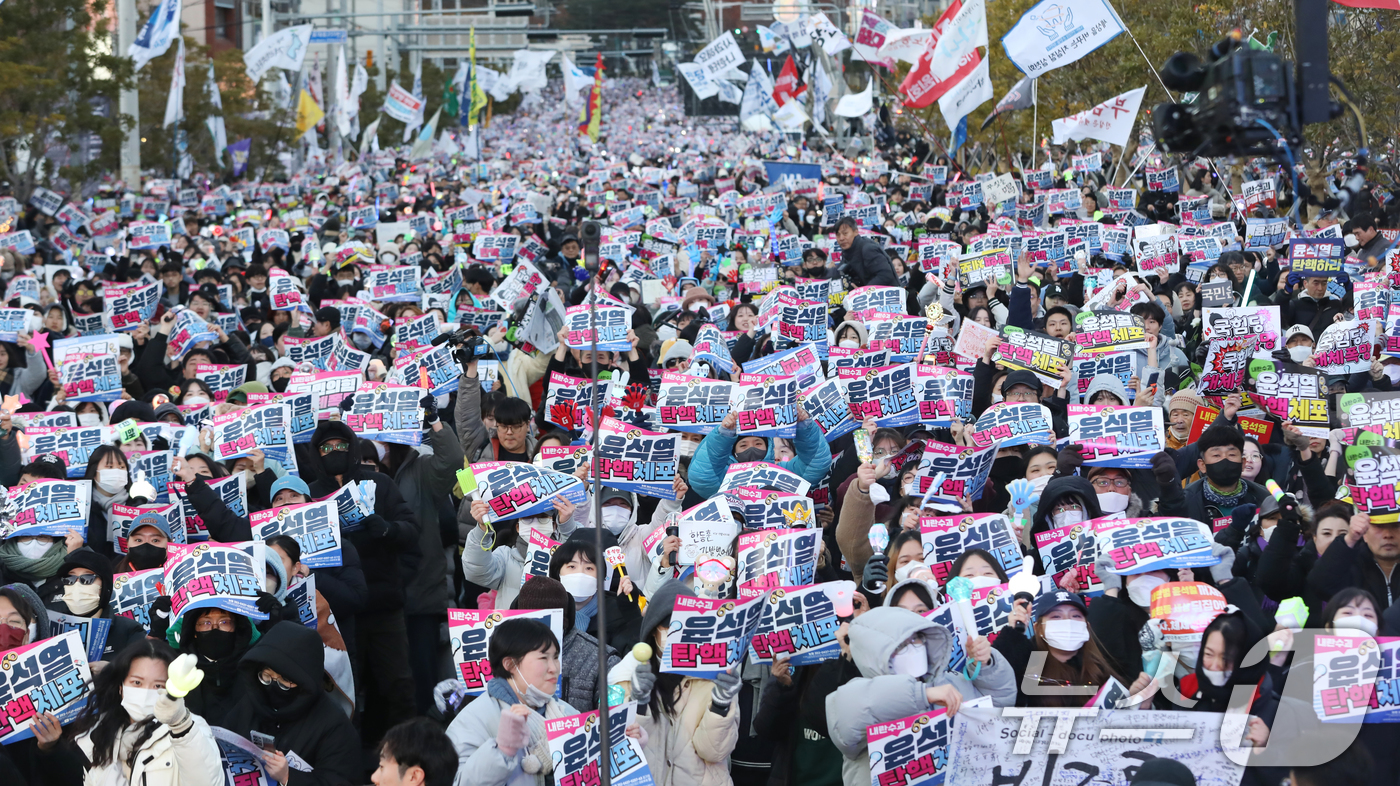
x: 162, y: 28
x: 1055, y: 33
x: 574, y: 80
x: 967, y: 95
x: 342, y: 94
x: 821, y: 90
x: 423, y: 147
x: 856, y: 104
x: 826, y: 35
x: 729, y: 92
x: 417, y: 120
x: 701, y: 83
x: 175, y: 102
x: 216, y: 122
x: 906, y: 44
x: 285, y: 48
x: 370, y: 136
x: 966, y: 31
x: 719, y: 55
x: 1112, y: 121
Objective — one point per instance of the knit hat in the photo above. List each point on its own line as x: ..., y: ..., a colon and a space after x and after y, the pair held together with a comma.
x: 542, y: 592
x: 290, y: 482
x: 169, y: 409
x: 674, y: 348
x: 239, y: 395
x: 858, y: 327
x: 1186, y: 399
x: 661, y: 604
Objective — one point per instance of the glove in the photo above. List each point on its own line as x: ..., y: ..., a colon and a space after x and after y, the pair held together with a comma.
x: 160, y: 617
x: 643, y: 680
x: 1164, y: 469
x: 172, y: 711
x: 448, y: 695
x: 1070, y: 459
x: 347, y: 403
x: 184, y: 676
x: 1225, y: 569
x: 511, y: 734
x: 1109, y: 579
x: 376, y: 525
x: 722, y: 693
x: 1293, y: 280
x: 876, y: 572
x: 430, y: 410
x: 1343, y: 279
x: 1242, y: 516
x: 270, y: 605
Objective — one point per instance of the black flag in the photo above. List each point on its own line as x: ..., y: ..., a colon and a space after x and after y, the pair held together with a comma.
x: 1020, y: 96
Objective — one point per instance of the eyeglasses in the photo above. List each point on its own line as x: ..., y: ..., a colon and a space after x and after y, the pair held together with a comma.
x: 1104, y: 484
x: 206, y: 623
x: 328, y: 448
x: 266, y: 677
x: 86, y: 579
x: 510, y: 426
x: 675, y: 362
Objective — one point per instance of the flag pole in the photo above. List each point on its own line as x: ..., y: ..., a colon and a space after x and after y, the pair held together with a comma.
x: 1035, y: 121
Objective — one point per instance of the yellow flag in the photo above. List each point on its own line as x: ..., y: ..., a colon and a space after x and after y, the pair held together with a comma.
x: 476, y: 95
x: 308, y: 113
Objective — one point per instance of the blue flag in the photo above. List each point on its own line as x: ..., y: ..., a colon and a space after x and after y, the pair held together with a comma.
x: 239, y: 151
x: 959, y: 136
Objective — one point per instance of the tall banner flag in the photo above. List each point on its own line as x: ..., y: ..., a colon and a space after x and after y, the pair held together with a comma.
x: 921, y: 86
x: 161, y: 29
x: 284, y: 49
x: 216, y: 121
x: 575, y: 80
x: 1020, y: 96
x: 974, y: 90
x: 1055, y: 33
x: 238, y: 151
x: 478, y: 95
x: 591, y: 119
x: 1111, y: 121
x: 175, y: 102
x: 308, y: 113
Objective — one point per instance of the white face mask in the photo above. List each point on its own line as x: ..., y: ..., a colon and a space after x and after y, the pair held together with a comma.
x: 1113, y: 502
x: 532, y: 696
x: 1393, y: 372
x: 997, y: 398
x: 194, y: 401
x: 687, y: 448
x: 87, y: 419
x: 1218, y: 678
x: 33, y: 548
x: 1351, y: 241
x: 1066, y: 635
x: 1355, y: 622
x: 911, y: 660
x: 908, y: 569
x: 82, y: 599
x: 1299, y: 354
x: 1067, y: 518
x: 848, y: 343
x: 1140, y: 589
x: 983, y: 582
x: 139, y: 703
x: 580, y: 585
x: 615, y: 518
x: 1040, y: 483
x: 111, y: 480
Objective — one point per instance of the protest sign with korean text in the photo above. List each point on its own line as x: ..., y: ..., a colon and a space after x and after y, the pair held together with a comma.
x: 469, y: 635
x: 799, y: 623
x: 707, y: 636
x: 515, y: 490
x: 205, y: 575
x: 634, y: 459
x: 49, y: 676
x: 315, y: 526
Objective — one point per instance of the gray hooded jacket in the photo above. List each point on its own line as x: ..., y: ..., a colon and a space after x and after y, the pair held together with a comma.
x: 880, y: 696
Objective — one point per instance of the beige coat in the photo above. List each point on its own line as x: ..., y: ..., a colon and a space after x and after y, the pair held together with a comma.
x: 691, y: 749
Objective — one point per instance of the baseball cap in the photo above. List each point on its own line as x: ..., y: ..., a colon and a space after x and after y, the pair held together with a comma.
x: 1049, y: 600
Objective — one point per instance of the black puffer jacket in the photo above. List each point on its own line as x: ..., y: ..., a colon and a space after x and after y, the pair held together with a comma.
x: 310, y: 724
x: 867, y: 264
x: 1055, y: 491
x: 391, y: 533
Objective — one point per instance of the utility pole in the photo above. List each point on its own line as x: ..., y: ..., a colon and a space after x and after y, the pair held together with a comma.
x: 131, y: 142
x: 267, y: 19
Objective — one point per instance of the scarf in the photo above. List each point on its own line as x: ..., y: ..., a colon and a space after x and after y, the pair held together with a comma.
x: 584, y: 614
x: 537, y: 757
x: 1224, y: 500
x: 32, y: 570
x: 106, y: 501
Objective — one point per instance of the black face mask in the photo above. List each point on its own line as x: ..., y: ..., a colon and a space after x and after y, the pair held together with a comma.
x: 215, y: 644
x: 277, y: 698
x: 1224, y: 474
x: 280, y: 385
x: 751, y: 454
x: 1006, y: 467
x: 337, y: 462
x: 146, y: 556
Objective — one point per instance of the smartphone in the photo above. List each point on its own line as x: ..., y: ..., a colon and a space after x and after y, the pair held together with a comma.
x: 265, y: 741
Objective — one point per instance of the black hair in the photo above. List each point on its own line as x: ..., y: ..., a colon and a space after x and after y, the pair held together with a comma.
x: 216, y: 469
x: 1366, y: 220
x: 1333, y: 509
x: 1219, y: 435
x: 515, y: 639
x: 25, y: 609
x: 104, y: 717
x: 101, y: 452
x: 40, y: 468
x: 511, y: 411
x: 288, y: 545
x: 1149, y: 309
x: 172, y: 267
x: 418, y: 742
x: 1002, y: 578
x: 567, y: 551
x: 918, y: 588
x: 1346, y: 597
x: 478, y: 275
x: 1232, y: 629
x: 847, y: 221
x: 1032, y: 453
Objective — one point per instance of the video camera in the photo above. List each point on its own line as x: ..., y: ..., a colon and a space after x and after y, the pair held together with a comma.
x: 469, y: 346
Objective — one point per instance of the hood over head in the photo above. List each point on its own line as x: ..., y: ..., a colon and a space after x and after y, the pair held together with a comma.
x: 878, y: 633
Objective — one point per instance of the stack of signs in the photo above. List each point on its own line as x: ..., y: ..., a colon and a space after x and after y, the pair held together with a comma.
x: 1113, y: 436
x: 798, y: 623
x: 885, y: 393
x: 911, y: 751
x: 49, y: 676
x: 133, y: 593
x: 1103, y: 332
x: 945, y: 538
x: 692, y: 404
x: 1143, y: 545
x: 765, y: 405
x: 709, y: 635
x: 228, y: 576
x: 634, y: 459
x: 772, y: 558
x: 1034, y: 351
x: 515, y: 490
x: 315, y: 526
x: 126, y: 520
x: 48, y: 507
x: 1345, y: 668
x: 575, y: 745
x: 1071, y: 547
x: 469, y: 634
x: 387, y: 412
x: 1291, y: 392
x: 1013, y: 423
